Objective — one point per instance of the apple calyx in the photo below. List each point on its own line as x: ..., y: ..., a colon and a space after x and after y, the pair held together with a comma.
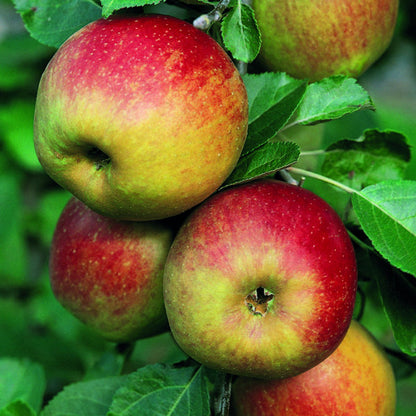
x: 258, y: 301
x: 98, y: 157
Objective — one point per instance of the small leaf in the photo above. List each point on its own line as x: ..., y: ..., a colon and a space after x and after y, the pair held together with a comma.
x: 22, y: 386
x: 87, y: 398
x: 387, y: 214
x: 373, y: 158
x: 240, y: 32
x: 331, y: 98
x: 109, y: 6
x: 51, y: 22
x: 158, y: 389
x: 264, y: 161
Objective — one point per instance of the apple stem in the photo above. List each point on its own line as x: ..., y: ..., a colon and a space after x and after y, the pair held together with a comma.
x: 287, y: 177
x: 241, y: 67
x: 322, y: 178
x: 205, y: 21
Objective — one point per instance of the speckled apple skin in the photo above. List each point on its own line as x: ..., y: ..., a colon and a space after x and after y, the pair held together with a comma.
x: 109, y: 273
x: 160, y: 98
x: 356, y: 380
x: 315, y: 39
x: 262, y: 234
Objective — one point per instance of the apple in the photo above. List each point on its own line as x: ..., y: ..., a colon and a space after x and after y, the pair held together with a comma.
x: 312, y: 39
x: 355, y: 380
x: 141, y: 118
x: 109, y: 273
x: 260, y: 280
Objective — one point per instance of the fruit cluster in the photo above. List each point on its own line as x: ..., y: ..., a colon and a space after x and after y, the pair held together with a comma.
x: 142, y: 119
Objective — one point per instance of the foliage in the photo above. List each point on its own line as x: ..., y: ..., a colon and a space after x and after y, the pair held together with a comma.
x: 352, y: 142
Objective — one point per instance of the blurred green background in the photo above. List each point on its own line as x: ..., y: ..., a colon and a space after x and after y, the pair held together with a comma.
x: 32, y: 323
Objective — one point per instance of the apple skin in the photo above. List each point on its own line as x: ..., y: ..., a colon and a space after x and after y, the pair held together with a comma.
x: 264, y: 234
x: 109, y: 273
x: 355, y: 380
x: 140, y: 118
x: 311, y: 39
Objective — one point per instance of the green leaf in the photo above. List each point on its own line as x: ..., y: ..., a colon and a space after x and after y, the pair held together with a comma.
x: 270, y: 122
x: 387, y: 214
x: 22, y: 386
x: 51, y: 22
x: 163, y: 390
x: 266, y: 89
x: 87, y: 398
x: 331, y: 98
x: 17, y: 408
x: 109, y: 6
x: 240, y: 33
x: 264, y: 161
x: 373, y: 158
x: 271, y: 106
x: 398, y: 295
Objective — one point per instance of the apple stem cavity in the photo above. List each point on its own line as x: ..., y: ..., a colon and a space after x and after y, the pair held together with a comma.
x: 98, y: 157
x: 258, y: 301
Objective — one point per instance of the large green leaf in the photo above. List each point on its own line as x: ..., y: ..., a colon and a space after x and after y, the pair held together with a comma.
x: 398, y: 295
x: 273, y: 98
x: 163, y: 390
x: 266, y: 126
x: 266, y: 89
x: 87, y: 398
x: 331, y: 98
x: 109, y: 6
x: 264, y: 161
x: 373, y: 158
x: 387, y: 214
x: 51, y: 22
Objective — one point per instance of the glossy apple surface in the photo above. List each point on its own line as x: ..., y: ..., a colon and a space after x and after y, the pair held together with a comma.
x: 314, y: 39
x: 260, y: 281
x: 109, y: 273
x: 140, y: 118
x: 356, y: 380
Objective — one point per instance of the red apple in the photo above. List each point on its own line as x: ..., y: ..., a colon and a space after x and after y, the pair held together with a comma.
x: 261, y: 281
x: 356, y: 380
x: 141, y: 118
x: 315, y: 39
x: 109, y: 273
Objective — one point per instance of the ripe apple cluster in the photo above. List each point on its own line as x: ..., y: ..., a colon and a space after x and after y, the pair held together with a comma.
x: 142, y: 119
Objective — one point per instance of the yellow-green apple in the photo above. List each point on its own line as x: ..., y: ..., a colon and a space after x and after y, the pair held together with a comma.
x: 260, y: 280
x: 315, y: 39
x: 109, y: 273
x: 355, y: 380
x: 141, y: 118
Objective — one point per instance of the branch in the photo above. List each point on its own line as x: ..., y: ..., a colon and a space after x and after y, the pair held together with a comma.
x: 205, y: 21
x: 223, y: 397
x: 322, y: 178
